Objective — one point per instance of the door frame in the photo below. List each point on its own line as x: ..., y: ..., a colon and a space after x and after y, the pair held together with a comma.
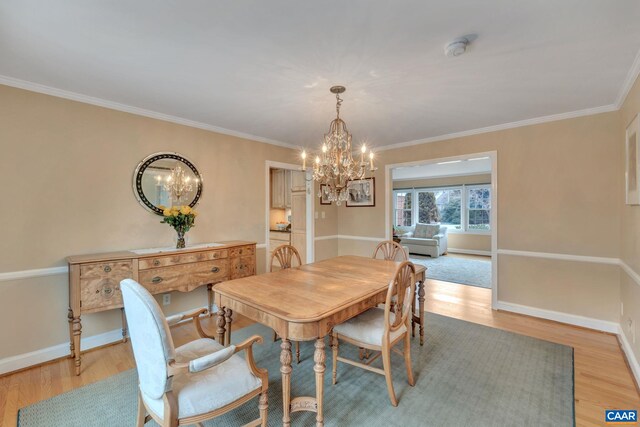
x: 493, y: 155
x: 310, y: 207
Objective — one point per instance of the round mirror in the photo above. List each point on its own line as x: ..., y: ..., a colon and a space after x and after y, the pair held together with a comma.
x: 166, y: 179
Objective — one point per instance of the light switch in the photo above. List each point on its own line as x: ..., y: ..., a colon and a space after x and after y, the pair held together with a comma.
x: 316, y: 214
x: 323, y: 215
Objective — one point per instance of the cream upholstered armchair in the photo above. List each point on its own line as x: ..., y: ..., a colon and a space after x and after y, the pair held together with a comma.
x: 192, y: 383
x: 381, y: 329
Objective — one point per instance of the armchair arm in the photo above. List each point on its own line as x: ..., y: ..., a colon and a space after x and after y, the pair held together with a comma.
x: 247, y: 346
x: 201, y: 363
x: 176, y: 318
x: 211, y: 360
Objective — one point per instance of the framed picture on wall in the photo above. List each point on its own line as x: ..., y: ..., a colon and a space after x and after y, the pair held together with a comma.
x: 324, y: 197
x: 632, y: 162
x: 361, y: 193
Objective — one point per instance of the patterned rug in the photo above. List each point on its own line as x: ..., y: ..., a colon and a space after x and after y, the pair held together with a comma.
x: 457, y: 270
x: 466, y: 375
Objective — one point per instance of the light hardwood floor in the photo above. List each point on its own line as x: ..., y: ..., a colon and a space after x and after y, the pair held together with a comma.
x: 602, y: 378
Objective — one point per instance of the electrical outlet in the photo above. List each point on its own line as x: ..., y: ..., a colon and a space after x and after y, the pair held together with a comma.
x: 166, y: 299
x: 323, y: 214
x: 316, y: 215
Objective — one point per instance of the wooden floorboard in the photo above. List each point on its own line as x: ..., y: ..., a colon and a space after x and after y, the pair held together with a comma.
x: 602, y: 377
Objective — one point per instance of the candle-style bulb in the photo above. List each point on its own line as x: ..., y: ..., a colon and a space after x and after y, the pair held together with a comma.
x: 304, y: 159
x: 364, y: 148
x: 324, y: 148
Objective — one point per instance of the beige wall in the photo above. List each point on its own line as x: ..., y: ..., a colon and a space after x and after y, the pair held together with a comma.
x: 463, y: 241
x: 70, y: 166
x: 629, y: 230
x: 556, y: 182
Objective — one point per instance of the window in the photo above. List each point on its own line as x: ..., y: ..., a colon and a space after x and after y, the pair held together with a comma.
x: 402, y: 208
x: 464, y: 208
x: 478, y: 208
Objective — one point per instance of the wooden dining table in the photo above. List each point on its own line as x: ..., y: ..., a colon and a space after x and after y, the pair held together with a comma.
x: 304, y: 304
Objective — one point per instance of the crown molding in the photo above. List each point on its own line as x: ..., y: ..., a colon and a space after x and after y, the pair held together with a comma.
x: 74, y: 96
x: 504, y: 126
x: 631, y: 78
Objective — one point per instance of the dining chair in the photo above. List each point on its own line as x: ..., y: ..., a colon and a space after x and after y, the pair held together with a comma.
x: 191, y: 383
x: 391, y: 251
x: 287, y: 257
x: 380, y: 329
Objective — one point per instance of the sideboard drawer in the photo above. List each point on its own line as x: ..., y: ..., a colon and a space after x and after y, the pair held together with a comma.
x: 100, y: 293
x: 184, y: 277
x: 167, y: 260
x: 243, y: 267
x: 117, y: 269
x: 242, y: 251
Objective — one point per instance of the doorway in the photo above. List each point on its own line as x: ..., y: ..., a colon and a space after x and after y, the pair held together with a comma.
x: 444, y: 211
x: 289, y: 210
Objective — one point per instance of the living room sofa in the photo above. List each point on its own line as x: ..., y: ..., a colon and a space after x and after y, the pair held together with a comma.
x: 425, y: 239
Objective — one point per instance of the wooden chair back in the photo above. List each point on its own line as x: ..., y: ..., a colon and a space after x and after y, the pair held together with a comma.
x: 400, y: 295
x: 391, y: 251
x: 285, y: 255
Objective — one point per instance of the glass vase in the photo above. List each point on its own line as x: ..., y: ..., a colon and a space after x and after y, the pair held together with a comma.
x: 180, y: 243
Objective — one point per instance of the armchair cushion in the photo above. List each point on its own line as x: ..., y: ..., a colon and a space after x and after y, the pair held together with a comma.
x: 210, y: 389
x: 368, y: 327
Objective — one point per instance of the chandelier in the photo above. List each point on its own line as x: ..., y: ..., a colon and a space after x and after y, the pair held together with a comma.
x: 335, y: 166
x: 178, y: 184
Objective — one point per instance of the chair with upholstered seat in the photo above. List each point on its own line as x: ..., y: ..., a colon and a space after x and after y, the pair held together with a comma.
x: 287, y: 257
x: 381, y: 329
x: 192, y: 383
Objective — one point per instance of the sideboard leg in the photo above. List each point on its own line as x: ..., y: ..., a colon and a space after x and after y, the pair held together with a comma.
x: 210, y: 299
x: 285, y: 370
x: 77, y: 331
x: 229, y: 318
x: 221, y: 323
x: 319, y: 368
x: 72, y: 353
x: 124, y: 325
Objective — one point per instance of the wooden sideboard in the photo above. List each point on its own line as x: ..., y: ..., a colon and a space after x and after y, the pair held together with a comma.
x: 94, y: 280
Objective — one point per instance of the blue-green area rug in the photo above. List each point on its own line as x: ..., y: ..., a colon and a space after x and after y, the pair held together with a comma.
x: 466, y: 375
x: 457, y: 270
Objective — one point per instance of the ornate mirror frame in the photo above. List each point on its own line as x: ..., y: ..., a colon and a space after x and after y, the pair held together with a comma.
x: 150, y: 159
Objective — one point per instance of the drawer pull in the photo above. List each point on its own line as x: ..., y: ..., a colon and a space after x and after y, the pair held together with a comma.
x: 156, y: 262
x: 215, y: 269
x: 156, y: 279
x: 107, y: 291
x: 107, y: 268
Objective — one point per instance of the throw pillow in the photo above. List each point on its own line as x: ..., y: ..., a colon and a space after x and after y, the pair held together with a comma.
x: 432, y: 230
x: 420, y: 231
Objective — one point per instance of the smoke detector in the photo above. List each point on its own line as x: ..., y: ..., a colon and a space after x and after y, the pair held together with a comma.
x: 457, y: 47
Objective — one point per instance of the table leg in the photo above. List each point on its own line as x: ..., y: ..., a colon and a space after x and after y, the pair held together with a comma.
x: 285, y: 370
x: 319, y: 367
x: 229, y: 317
x: 413, y: 318
x: 421, y: 308
x: 221, y: 323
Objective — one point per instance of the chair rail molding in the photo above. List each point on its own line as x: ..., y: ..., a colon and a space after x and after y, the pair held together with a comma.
x: 28, y: 274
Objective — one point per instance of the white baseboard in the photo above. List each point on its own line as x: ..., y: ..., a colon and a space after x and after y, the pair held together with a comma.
x: 631, y: 357
x: 21, y: 361
x: 571, y: 319
x: 469, y: 252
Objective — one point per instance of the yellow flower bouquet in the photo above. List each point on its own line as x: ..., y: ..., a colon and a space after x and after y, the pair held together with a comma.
x: 181, y: 218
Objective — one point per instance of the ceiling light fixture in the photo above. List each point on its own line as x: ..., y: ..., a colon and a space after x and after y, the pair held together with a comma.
x: 449, y: 162
x: 335, y: 166
x: 477, y: 158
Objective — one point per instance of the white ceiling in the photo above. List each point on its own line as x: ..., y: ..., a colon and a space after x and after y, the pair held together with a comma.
x: 263, y: 68
x: 479, y: 165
